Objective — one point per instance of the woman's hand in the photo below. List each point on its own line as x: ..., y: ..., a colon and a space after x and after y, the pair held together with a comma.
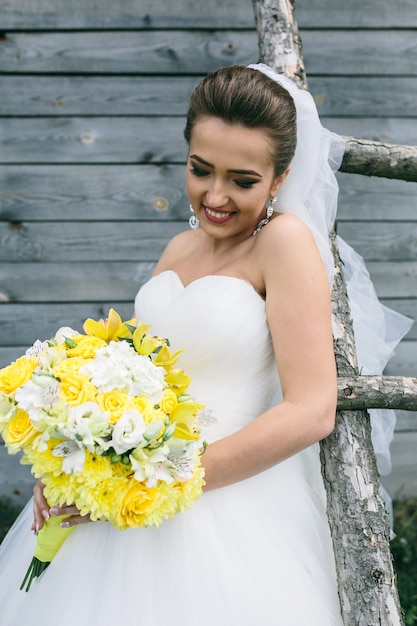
x: 42, y: 512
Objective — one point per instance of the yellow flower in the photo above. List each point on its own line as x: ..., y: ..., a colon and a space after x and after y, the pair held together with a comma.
x: 108, y: 330
x: 137, y: 504
x: 77, y: 389
x: 184, y: 416
x: 146, y: 344
x: 167, y: 505
x: 178, y: 381
x: 101, y: 499
x: 86, y: 346
x: 19, y: 432
x: 116, y: 402
x: 17, y: 373
x: 146, y: 408
x: 169, y: 401
x: 60, y: 489
x: 165, y: 359
x: 69, y: 366
x: 43, y: 462
x: 191, y: 490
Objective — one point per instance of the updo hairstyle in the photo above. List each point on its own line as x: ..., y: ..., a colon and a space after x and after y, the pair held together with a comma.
x: 245, y: 96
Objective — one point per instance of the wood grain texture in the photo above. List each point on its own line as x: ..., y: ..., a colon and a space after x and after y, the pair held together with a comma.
x: 199, y: 51
x: 84, y: 14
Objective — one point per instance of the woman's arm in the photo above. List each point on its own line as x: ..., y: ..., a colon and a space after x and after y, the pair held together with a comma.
x: 299, y: 315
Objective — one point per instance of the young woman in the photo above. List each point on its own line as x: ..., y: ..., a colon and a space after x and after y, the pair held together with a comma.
x: 246, y: 294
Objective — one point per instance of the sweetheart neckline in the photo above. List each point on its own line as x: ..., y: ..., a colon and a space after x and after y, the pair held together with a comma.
x: 196, y: 280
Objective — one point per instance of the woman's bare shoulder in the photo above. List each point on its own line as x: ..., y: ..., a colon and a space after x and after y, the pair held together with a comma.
x: 177, y: 248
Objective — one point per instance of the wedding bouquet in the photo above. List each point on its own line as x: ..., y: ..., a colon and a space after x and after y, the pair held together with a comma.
x: 105, y: 421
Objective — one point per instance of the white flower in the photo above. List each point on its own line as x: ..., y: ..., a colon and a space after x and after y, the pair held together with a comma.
x: 74, y: 456
x: 65, y: 332
x: 128, y: 432
x: 151, y: 465
x: 182, y: 463
x: 37, y: 348
x: 119, y: 366
x: 37, y: 394
x: 87, y: 425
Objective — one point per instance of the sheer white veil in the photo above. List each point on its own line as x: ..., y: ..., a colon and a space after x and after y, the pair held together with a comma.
x: 310, y: 191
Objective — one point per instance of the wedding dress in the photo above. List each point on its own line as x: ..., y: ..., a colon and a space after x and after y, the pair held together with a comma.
x: 256, y: 553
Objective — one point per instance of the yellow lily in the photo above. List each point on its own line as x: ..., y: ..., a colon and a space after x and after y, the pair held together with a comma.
x: 178, y: 381
x: 165, y: 359
x: 111, y: 329
x: 184, y: 415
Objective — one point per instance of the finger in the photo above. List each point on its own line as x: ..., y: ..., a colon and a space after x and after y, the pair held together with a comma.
x: 76, y: 520
x: 67, y: 509
x: 40, y: 507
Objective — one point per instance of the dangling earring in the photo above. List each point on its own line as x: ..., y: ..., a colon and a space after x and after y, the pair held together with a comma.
x: 194, y: 222
x: 269, y: 210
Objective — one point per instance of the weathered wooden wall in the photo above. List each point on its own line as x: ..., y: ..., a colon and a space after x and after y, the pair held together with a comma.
x: 93, y: 97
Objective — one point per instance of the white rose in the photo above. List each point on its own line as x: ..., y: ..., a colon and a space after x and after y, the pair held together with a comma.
x: 65, y: 332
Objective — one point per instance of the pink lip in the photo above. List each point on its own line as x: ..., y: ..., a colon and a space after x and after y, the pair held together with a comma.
x: 217, y: 220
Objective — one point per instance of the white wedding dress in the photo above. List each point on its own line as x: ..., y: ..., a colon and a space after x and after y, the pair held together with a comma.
x: 257, y: 553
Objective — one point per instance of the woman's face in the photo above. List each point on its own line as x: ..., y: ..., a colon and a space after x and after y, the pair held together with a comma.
x: 229, y: 177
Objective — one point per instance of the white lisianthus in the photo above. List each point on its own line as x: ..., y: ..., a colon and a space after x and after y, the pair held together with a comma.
x: 128, y: 432
x: 151, y: 465
x: 119, y: 366
x: 65, y: 332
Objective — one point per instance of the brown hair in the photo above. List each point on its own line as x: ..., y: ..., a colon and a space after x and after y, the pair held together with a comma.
x: 245, y: 96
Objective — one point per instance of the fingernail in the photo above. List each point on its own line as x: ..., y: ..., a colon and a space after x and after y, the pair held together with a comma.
x: 36, y: 527
x: 45, y: 515
x: 53, y: 511
x: 65, y: 525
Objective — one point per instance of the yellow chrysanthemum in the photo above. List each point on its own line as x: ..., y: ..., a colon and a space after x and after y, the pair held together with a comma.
x: 101, y: 499
x: 121, y: 470
x: 191, y: 490
x: 166, y: 506
x: 138, y: 502
x: 43, y: 462
x: 86, y: 346
x: 108, y: 330
x: 60, y: 490
x: 116, y: 402
x: 17, y: 373
x: 96, y: 468
x: 76, y: 389
x: 19, y: 432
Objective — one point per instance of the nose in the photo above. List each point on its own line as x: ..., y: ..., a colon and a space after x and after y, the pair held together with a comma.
x: 216, y: 195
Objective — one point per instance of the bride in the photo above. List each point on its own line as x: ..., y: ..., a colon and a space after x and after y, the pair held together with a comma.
x: 246, y: 294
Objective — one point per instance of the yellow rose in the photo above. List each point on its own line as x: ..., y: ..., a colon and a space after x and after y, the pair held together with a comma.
x: 77, y: 389
x: 68, y: 366
x: 145, y: 407
x: 19, y: 432
x: 137, y: 505
x: 17, y: 373
x: 169, y: 401
x: 86, y: 346
x: 116, y: 402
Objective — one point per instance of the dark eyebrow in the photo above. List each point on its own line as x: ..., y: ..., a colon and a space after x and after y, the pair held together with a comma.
x: 200, y: 160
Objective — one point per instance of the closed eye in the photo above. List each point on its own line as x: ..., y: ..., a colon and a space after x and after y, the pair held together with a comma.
x: 198, y: 171
x: 246, y: 184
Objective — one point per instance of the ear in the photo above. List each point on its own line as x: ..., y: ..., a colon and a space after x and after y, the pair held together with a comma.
x: 278, y: 182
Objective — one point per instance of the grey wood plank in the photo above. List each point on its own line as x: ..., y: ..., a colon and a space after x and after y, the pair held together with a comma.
x: 24, y: 323
x: 371, y: 198
x: 406, y: 421
x: 57, y: 95
x: 143, y: 140
x: 81, y: 14
x: 72, y: 281
x: 152, y: 192
x: 92, y: 192
x: 198, y: 51
x: 85, y: 241
x: 402, y: 482
x: 404, y: 362
x: 89, y: 282
x: 394, y: 279
x: 122, y: 241
x: 379, y: 241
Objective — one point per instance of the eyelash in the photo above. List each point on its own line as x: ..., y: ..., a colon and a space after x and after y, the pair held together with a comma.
x: 244, y: 184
